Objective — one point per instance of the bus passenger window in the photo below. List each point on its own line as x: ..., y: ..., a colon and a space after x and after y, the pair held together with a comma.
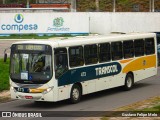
x: 104, y: 52
x: 128, y: 50
x: 149, y: 46
x: 76, y: 56
x: 61, y: 61
x: 139, y: 47
x: 90, y: 53
x: 116, y: 50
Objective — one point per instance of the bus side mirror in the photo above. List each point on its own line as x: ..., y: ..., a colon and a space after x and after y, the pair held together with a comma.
x: 5, y: 57
x: 5, y: 54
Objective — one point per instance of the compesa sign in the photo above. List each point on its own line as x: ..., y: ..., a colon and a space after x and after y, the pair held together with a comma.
x: 43, y: 23
x: 17, y: 24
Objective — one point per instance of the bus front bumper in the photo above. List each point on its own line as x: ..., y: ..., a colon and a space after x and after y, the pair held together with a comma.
x: 48, y: 96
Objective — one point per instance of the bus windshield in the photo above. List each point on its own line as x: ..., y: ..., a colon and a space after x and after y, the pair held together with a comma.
x: 31, y: 66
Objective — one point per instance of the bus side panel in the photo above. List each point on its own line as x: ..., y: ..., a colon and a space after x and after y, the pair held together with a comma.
x: 64, y: 92
x: 142, y: 67
x: 103, y: 83
x: 91, y: 86
x: 142, y: 74
x: 117, y: 80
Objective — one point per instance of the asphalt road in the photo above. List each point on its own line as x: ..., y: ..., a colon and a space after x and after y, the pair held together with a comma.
x: 107, y: 100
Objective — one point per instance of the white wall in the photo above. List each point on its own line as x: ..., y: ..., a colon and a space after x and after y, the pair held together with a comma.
x: 94, y: 22
x: 105, y: 23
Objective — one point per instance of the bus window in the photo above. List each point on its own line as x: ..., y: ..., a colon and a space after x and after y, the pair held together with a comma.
x: 76, y: 56
x: 104, y: 52
x: 116, y: 49
x: 149, y: 46
x: 128, y: 50
x: 90, y: 53
x: 61, y: 61
x: 139, y: 47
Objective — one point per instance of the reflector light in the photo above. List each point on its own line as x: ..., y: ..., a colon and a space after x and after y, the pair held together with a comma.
x: 28, y: 97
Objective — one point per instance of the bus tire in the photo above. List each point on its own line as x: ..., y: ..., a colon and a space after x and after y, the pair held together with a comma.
x: 75, y: 94
x: 129, y: 81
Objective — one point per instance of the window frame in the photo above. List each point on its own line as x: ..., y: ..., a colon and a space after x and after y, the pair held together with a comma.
x: 148, y: 48
x: 106, y: 53
x: 81, y: 56
x: 113, y: 51
x: 131, y: 50
x: 135, y: 54
x: 89, y: 55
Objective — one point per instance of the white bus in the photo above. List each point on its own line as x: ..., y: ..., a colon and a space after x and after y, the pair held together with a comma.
x: 54, y: 70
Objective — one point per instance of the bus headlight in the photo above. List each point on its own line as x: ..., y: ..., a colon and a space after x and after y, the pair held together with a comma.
x: 47, y: 90
x: 12, y: 88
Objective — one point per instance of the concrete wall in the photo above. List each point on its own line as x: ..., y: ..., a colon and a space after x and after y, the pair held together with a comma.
x: 93, y: 22
x: 105, y: 23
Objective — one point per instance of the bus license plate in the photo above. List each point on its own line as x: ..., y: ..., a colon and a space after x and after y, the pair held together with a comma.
x: 19, y: 89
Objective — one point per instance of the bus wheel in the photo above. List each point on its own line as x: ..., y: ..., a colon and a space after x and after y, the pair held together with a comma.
x: 129, y: 81
x: 76, y: 94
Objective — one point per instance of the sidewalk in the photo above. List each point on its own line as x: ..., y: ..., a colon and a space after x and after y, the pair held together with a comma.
x: 5, y: 96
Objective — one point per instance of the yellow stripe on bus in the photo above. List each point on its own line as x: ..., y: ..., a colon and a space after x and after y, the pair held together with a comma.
x: 140, y: 63
x: 36, y: 90
x: 125, y: 61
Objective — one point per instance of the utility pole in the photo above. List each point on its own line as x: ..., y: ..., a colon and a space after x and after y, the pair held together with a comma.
x: 114, y: 5
x: 73, y: 6
x: 27, y: 6
x: 153, y: 6
x: 150, y: 5
x: 97, y: 5
x: 3, y: 1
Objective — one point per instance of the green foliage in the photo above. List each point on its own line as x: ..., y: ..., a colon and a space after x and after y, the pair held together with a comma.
x: 123, y: 2
x: 154, y: 108
x: 105, y: 5
x: 33, y: 36
x: 86, y: 5
x: 4, y: 75
x: 18, y: 1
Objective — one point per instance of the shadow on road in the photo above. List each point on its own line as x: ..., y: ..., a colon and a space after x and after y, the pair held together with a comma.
x: 112, y: 91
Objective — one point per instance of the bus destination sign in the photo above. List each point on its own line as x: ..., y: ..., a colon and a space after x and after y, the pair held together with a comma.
x: 31, y: 47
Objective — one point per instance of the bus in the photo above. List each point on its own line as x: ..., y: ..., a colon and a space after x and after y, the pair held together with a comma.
x: 55, y: 70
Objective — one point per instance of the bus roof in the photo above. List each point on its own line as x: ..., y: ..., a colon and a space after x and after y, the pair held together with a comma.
x: 92, y: 39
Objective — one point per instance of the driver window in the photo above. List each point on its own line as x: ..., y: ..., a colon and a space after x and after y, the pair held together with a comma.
x: 61, y: 61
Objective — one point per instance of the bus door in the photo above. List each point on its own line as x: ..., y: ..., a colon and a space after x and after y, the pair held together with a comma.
x: 62, y: 74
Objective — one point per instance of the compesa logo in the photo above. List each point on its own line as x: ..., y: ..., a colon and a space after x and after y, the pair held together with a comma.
x: 18, y: 18
x: 19, y: 25
x: 58, y: 25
